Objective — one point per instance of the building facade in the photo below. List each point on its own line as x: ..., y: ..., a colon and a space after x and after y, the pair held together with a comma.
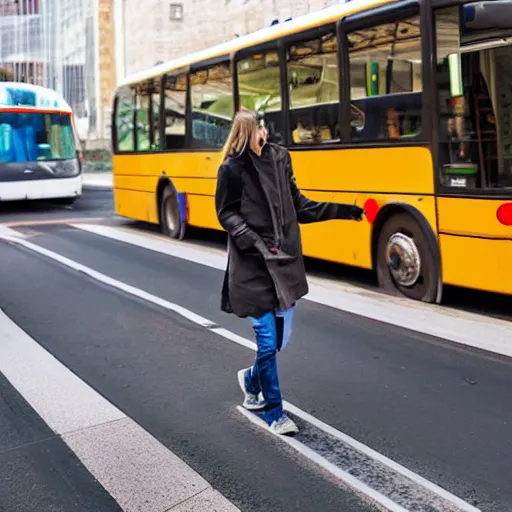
x: 165, y: 29
x: 67, y: 45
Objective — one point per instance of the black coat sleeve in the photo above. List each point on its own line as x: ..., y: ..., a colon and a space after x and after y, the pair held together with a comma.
x: 309, y: 211
x: 227, y: 204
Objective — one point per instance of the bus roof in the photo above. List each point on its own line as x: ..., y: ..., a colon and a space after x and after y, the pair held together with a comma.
x: 308, y: 21
x: 16, y: 94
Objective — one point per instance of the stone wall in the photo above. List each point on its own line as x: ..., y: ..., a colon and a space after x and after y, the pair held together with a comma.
x: 107, y: 67
x: 151, y: 36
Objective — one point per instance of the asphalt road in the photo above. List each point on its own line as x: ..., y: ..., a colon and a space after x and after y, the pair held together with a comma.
x: 439, y: 409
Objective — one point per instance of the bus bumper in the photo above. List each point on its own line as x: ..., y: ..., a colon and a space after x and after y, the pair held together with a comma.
x: 41, y: 189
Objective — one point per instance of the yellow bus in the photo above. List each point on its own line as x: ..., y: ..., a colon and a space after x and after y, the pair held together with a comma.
x: 402, y: 107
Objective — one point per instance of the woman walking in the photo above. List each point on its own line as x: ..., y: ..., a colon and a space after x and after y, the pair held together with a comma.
x: 260, y: 206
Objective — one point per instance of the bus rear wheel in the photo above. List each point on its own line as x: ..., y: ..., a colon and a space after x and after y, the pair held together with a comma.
x: 406, y: 262
x: 170, y: 218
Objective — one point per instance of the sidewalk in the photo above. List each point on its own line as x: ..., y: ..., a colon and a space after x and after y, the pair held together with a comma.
x: 38, y: 470
x: 97, y: 180
x: 78, y: 452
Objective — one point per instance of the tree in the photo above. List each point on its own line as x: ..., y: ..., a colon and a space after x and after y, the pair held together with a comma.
x: 5, y: 76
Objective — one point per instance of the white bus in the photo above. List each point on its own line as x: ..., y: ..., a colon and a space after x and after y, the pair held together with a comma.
x: 38, y: 145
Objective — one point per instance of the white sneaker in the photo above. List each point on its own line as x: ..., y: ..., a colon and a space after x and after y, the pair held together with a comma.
x: 251, y: 402
x: 284, y: 426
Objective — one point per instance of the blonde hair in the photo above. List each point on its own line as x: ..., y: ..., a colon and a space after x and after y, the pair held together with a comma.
x: 241, y: 134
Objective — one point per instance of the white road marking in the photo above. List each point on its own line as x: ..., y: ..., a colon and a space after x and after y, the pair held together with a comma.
x: 6, y: 231
x: 391, y: 464
x: 468, y: 329
x: 138, y: 471
x: 199, y: 320
x: 331, y: 468
x: 46, y: 222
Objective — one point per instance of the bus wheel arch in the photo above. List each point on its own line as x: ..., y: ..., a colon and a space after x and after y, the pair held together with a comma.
x: 406, y: 254
x: 171, y: 209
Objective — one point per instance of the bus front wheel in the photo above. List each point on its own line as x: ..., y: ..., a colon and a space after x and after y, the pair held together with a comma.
x: 170, y: 218
x: 406, y: 262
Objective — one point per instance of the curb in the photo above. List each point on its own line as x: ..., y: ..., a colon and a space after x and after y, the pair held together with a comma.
x: 96, y: 181
x: 96, y: 186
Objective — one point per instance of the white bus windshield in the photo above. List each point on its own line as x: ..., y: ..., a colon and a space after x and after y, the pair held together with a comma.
x: 35, y: 136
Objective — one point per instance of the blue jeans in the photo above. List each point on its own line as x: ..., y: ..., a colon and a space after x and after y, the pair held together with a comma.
x: 272, y: 331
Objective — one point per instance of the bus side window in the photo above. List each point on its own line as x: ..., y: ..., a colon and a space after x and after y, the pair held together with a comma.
x: 154, y: 115
x: 385, y: 81
x: 313, y: 81
x: 142, y: 121
x: 259, y: 88
x: 124, y: 121
x: 175, y: 101
x: 474, y: 89
x: 212, y: 106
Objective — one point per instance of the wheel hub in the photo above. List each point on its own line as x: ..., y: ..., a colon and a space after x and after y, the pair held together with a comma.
x: 403, y: 259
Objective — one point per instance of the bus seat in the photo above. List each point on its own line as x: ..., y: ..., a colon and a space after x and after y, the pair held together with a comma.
x: 6, y: 143
x: 18, y: 142
x: 199, y: 130
x: 31, y: 143
x: 56, y: 141
x: 174, y: 141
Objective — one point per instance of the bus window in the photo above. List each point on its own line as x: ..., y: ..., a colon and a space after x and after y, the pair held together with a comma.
x: 385, y: 81
x: 143, y: 128
x: 259, y: 88
x: 313, y: 81
x: 34, y: 136
x: 175, y: 101
x: 474, y: 87
x: 155, y: 116
x: 124, y: 120
x: 212, y: 106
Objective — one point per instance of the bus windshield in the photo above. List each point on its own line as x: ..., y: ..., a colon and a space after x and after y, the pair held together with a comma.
x: 35, y: 136
x: 474, y: 79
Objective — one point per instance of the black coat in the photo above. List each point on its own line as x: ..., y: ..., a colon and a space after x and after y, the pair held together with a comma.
x: 260, y: 206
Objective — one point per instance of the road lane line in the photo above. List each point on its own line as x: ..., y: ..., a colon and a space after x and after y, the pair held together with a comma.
x: 470, y: 329
x: 395, y: 466
x: 139, y: 472
x: 42, y: 380
x: 45, y: 222
x: 310, y: 454
x: 226, y: 334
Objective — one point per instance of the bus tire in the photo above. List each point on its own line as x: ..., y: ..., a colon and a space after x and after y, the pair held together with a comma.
x: 170, y: 218
x: 406, y: 261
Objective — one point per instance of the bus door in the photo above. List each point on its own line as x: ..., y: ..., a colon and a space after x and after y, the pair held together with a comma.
x: 474, y: 94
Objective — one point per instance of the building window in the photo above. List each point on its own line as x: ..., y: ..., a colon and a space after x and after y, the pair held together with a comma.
x: 313, y: 81
x: 124, y: 120
x: 385, y: 81
x: 259, y: 87
x: 175, y: 101
x: 212, y: 106
x: 176, y: 12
